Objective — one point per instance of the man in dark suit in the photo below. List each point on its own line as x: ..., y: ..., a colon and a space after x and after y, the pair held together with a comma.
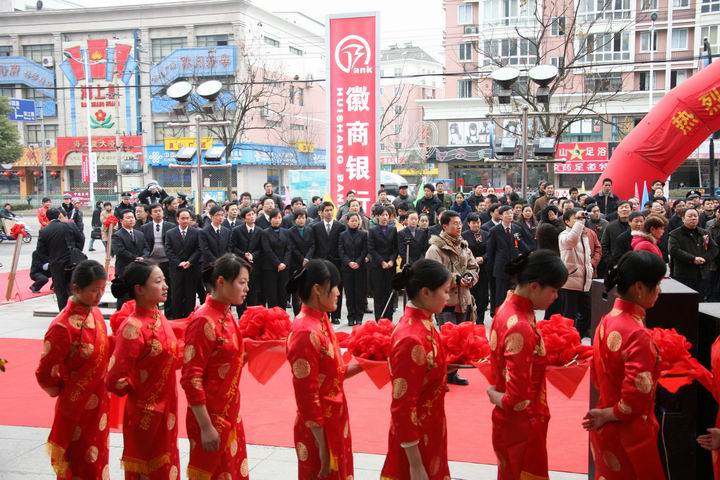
x: 245, y: 242
x: 231, y: 216
x: 414, y: 237
x: 505, y: 242
x: 312, y: 212
x: 288, y: 220
x: 154, y: 232
x: 263, y: 216
x: 128, y: 245
x: 383, y: 250
x: 477, y: 242
x: 214, y: 239
x: 326, y: 234
x: 302, y: 243
x: 54, y: 242
x: 182, y: 247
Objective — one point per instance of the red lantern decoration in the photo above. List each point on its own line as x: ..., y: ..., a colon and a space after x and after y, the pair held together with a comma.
x: 21, y: 173
x: 54, y: 173
x: 7, y: 174
x: 37, y: 173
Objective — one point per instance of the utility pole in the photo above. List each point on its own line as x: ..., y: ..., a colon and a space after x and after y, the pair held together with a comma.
x: 42, y: 147
x: 711, y: 149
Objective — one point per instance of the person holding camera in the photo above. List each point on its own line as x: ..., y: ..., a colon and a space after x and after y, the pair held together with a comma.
x: 576, y: 253
x: 453, y: 252
x: 152, y: 194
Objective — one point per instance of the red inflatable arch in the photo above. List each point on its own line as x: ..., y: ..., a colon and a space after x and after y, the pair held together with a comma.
x: 683, y: 119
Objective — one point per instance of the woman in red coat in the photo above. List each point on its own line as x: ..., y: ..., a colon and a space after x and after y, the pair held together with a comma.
x: 711, y: 440
x: 651, y: 235
x: 417, y: 444
x: 143, y: 368
x: 322, y: 427
x: 212, y: 363
x: 521, y: 415
x: 72, y: 368
x: 625, y: 369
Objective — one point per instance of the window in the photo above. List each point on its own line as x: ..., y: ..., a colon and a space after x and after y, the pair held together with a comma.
x: 583, y: 130
x: 710, y: 6
x: 603, y: 9
x: 520, y: 87
x: 398, y: 109
x: 605, y: 47
x: 464, y: 88
x: 300, y: 94
x: 297, y: 51
x: 677, y: 77
x: 465, y: 14
x: 397, y: 71
x: 645, y: 41
x: 558, y: 62
x: 7, y: 91
x: 34, y: 134
x: 510, y: 12
x: 297, y: 127
x: 211, y: 40
x: 37, y: 52
x: 603, y: 82
x: 680, y: 39
x: 32, y: 94
x: 510, y: 51
x: 398, y: 128
x: 291, y: 94
x: 162, y: 131
x: 465, y: 54
x: 398, y: 146
x: 644, y: 81
x: 650, y: 5
x: 6, y: 50
x: 681, y: 3
x: 557, y: 25
x: 162, y: 47
x: 271, y: 41
x: 711, y: 33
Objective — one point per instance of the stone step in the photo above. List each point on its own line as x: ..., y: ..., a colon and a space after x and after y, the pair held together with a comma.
x: 52, y: 313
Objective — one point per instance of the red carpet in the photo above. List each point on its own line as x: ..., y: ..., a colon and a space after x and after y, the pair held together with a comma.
x: 270, y: 422
x: 21, y: 289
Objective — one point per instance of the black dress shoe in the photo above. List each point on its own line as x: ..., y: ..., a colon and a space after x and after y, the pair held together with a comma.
x: 335, y: 321
x: 456, y: 379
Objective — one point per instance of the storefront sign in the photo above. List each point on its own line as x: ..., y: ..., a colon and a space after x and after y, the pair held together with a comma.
x: 217, y: 61
x: 80, y: 199
x: 32, y: 157
x: 581, y: 157
x: 88, y: 168
x: 21, y: 70
x: 69, y: 145
x: 176, y: 143
x: 470, y: 133
x: 249, y: 154
x: 352, y: 114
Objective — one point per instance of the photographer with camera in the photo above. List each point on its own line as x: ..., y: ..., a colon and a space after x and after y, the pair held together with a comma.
x: 577, y: 255
x: 453, y: 252
x: 152, y: 194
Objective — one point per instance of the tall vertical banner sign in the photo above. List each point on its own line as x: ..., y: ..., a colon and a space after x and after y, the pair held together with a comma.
x: 353, y: 85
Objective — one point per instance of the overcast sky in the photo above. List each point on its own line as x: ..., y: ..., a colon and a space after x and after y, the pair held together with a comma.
x: 417, y: 21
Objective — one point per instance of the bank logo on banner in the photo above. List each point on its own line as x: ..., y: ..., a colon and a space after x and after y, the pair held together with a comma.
x: 351, y: 51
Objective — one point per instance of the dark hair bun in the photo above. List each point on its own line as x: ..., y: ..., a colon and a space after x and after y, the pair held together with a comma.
x: 118, y: 287
x: 402, y: 278
x: 296, y: 281
x: 517, y: 264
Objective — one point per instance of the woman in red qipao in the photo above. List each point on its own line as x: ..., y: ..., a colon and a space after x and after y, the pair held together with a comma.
x: 143, y: 368
x: 711, y: 440
x: 417, y: 444
x: 625, y: 369
x: 213, y: 361
x: 521, y: 415
x: 72, y: 368
x: 322, y: 427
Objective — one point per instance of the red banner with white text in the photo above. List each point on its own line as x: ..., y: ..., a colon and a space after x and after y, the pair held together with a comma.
x: 352, y: 117
x: 582, y: 157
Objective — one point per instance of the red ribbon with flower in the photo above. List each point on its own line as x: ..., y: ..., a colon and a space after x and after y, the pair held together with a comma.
x: 18, y: 231
x: 110, y: 220
x: 264, y: 331
x: 677, y: 367
x: 370, y: 344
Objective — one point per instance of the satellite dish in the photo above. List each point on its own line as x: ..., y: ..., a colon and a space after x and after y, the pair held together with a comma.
x: 180, y: 91
x: 505, y: 76
x: 543, y: 75
x: 209, y: 90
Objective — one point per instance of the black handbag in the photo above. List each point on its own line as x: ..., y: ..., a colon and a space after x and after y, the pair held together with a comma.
x: 76, y: 254
x: 96, y: 234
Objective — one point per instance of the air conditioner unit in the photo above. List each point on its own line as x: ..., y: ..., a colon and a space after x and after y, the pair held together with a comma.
x: 48, y: 62
x: 471, y: 30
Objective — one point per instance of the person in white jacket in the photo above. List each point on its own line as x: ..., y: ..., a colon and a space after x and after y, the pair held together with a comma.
x: 576, y: 254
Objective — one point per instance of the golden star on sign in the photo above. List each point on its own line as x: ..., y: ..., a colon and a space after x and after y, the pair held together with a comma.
x: 577, y: 152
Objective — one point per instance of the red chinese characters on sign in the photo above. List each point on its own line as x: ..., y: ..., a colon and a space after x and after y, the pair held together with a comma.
x: 353, y: 87
x: 68, y: 145
x: 582, y: 157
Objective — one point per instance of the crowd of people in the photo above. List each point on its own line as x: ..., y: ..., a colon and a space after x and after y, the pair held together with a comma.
x: 455, y: 257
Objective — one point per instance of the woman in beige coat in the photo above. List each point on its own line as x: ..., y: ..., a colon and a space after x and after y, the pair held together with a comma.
x: 576, y: 253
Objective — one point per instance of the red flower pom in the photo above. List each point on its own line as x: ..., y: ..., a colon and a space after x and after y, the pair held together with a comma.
x: 18, y: 230
x: 370, y: 340
x: 562, y: 341
x: 464, y: 343
x: 260, y: 323
x: 110, y: 220
x: 674, y: 348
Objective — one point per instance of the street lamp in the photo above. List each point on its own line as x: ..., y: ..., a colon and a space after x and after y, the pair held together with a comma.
x: 653, y: 19
x: 711, y: 148
x: 180, y: 92
x: 92, y: 166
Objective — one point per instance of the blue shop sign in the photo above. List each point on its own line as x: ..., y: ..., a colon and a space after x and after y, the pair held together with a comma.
x: 20, y: 70
x: 218, y: 61
x: 249, y: 154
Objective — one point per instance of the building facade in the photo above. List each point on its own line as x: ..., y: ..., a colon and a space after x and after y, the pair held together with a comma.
x: 106, y: 71
x: 615, y: 60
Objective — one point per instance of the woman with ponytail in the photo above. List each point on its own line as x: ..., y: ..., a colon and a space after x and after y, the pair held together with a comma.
x: 521, y: 415
x: 212, y: 363
x: 322, y: 427
x: 143, y: 368
x: 72, y: 369
x: 625, y: 370
x: 417, y: 444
